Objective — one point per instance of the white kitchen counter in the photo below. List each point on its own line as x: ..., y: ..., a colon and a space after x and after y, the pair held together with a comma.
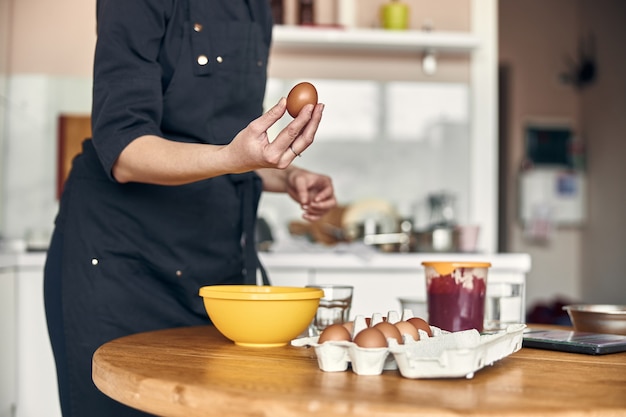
x: 518, y: 262
x: 28, y: 383
x: 22, y: 259
x: 381, y: 279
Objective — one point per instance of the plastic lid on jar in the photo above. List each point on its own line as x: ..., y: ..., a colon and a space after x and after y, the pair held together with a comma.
x: 446, y: 268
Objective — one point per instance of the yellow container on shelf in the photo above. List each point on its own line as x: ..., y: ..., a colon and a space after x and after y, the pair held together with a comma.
x: 394, y: 15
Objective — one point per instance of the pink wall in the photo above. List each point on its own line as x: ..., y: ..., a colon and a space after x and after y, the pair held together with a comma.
x: 58, y: 37
x: 586, y: 262
x: 604, y: 125
x: 534, y: 37
x: 53, y: 37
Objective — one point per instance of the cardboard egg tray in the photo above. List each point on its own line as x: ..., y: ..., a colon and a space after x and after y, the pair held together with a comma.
x: 444, y: 355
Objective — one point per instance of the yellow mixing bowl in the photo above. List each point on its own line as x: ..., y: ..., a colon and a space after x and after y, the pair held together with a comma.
x: 262, y: 316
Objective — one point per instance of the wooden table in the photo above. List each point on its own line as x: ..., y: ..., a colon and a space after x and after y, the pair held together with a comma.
x: 195, y: 371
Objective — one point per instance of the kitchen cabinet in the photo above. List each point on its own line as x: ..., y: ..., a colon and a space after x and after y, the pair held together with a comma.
x: 32, y: 391
x: 380, y: 279
x: 7, y: 347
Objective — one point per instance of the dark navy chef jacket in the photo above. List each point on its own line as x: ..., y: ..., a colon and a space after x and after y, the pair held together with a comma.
x: 186, y: 70
x: 127, y: 258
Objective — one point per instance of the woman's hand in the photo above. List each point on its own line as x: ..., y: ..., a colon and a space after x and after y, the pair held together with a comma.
x: 313, y: 192
x: 251, y: 149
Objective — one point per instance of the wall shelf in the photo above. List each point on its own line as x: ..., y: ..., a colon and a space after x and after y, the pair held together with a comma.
x: 378, y: 40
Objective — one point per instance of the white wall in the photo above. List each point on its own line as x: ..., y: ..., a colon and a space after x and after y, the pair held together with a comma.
x: 5, y: 30
x: 35, y: 102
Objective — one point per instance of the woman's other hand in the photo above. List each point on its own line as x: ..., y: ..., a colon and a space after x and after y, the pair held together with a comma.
x: 314, y: 192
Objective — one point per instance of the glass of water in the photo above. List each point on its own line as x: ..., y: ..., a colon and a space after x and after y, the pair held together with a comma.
x: 334, y: 305
x: 504, y: 305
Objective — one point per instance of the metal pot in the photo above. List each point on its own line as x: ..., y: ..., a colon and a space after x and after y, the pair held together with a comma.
x: 438, y: 239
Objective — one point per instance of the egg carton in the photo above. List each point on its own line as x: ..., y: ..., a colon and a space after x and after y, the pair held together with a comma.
x: 442, y: 355
x: 337, y: 356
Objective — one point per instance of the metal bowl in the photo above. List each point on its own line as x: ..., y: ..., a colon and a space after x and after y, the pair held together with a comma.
x: 598, y: 318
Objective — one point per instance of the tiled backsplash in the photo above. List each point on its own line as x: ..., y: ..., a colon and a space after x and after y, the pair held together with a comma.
x: 395, y: 141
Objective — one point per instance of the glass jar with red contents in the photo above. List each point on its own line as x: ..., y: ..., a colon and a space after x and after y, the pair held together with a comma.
x: 455, y: 292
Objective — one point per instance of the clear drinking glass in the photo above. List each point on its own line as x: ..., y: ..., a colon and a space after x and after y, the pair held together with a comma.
x: 334, y: 305
x: 504, y: 305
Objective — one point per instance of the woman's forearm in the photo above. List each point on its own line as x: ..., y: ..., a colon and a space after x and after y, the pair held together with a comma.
x: 155, y: 160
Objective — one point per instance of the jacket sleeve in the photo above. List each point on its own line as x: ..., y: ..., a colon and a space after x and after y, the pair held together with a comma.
x: 127, y: 93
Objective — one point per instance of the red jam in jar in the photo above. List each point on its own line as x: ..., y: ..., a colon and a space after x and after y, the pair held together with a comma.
x: 456, y: 294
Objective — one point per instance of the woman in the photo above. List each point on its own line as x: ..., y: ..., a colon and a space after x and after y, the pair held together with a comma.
x: 162, y: 200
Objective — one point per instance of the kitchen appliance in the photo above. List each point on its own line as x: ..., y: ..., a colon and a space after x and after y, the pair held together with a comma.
x: 437, y: 239
x: 441, y: 234
x: 441, y: 207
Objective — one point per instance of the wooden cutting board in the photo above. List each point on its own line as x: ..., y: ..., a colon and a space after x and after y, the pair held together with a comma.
x: 73, y: 129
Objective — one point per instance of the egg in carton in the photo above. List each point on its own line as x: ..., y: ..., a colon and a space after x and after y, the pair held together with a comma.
x: 367, y: 352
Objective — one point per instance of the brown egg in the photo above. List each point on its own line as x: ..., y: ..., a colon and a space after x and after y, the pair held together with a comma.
x: 420, y: 324
x: 349, y: 325
x: 300, y: 95
x: 404, y: 327
x: 389, y: 330
x: 370, y: 338
x: 334, y: 332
